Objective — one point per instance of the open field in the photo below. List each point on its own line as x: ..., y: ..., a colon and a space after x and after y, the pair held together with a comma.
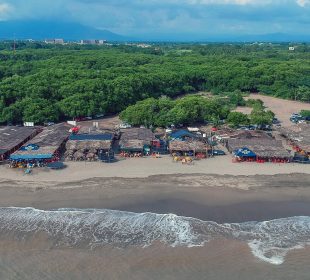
x: 282, y: 108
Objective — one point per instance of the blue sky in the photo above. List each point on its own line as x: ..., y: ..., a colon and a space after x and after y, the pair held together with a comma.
x: 170, y: 17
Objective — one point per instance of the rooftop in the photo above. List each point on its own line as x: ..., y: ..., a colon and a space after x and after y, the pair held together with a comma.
x: 143, y: 134
x: 299, y: 135
x: 48, y: 141
x: 187, y: 146
x: 265, y: 148
x: 13, y: 136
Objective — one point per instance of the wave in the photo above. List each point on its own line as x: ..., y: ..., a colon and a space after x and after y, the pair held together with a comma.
x: 269, y: 241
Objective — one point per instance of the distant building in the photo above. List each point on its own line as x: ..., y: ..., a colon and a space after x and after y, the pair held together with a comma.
x: 93, y: 42
x: 291, y: 48
x: 55, y: 41
x: 143, y: 46
x: 59, y: 41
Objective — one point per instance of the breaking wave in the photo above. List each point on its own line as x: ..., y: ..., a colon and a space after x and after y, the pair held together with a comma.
x: 270, y: 240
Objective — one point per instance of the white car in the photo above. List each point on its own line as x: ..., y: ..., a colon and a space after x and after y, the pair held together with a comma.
x: 124, y: 125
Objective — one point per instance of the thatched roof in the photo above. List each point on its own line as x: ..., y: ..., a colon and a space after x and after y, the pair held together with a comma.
x: 243, y: 134
x: 265, y: 148
x: 94, y: 130
x: 187, y: 146
x: 88, y: 145
x: 48, y: 141
x: 132, y: 144
x: 137, y: 134
x: 13, y: 136
x: 299, y: 135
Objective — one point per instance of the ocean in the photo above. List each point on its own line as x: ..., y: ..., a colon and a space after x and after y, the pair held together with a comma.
x: 30, y: 235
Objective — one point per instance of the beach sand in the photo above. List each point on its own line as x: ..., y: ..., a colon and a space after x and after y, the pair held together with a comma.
x: 145, y: 167
x: 217, y: 260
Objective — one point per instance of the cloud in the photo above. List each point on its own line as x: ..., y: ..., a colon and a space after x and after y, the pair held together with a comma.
x: 303, y: 3
x: 5, y: 9
x: 147, y: 17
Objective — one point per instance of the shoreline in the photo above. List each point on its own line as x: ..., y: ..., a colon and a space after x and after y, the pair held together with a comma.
x: 206, y: 197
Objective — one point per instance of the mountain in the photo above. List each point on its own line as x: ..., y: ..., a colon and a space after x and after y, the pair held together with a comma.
x: 275, y: 37
x: 269, y: 37
x: 40, y: 30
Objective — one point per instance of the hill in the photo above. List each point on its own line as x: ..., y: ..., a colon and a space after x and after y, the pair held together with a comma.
x: 39, y: 30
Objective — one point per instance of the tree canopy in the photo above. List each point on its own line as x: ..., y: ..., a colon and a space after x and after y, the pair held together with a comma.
x: 40, y: 82
x: 164, y: 112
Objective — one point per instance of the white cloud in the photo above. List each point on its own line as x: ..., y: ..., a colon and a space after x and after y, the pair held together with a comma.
x: 5, y: 9
x: 303, y: 3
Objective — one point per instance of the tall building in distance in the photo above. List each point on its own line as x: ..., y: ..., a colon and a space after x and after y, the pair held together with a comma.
x: 93, y: 42
x: 55, y: 41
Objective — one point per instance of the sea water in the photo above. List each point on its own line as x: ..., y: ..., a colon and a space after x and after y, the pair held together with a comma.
x: 269, y: 241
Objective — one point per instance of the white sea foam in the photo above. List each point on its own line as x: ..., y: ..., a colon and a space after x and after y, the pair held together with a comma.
x: 270, y: 241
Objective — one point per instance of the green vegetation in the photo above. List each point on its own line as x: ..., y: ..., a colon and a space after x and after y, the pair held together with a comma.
x: 255, y: 104
x: 305, y: 113
x: 236, y: 118
x: 164, y: 112
x: 261, y: 117
x: 50, y: 83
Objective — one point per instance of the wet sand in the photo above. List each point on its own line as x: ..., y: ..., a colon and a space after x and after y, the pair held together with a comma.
x: 218, y: 260
x: 207, y: 197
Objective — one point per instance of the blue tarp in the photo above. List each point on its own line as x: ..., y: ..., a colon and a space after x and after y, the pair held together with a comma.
x: 31, y: 157
x: 85, y: 137
x: 30, y: 147
x: 244, y: 152
x: 56, y: 165
x: 181, y: 134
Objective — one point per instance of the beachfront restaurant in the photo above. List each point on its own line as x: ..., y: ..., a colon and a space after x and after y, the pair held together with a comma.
x: 12, y: 138
x: 196, y: 149
x: 182, y: 135
x: 90, y: 147
x: 298, y: 137
x: 136, y: 142
x: 258, y: 150
x: 44, y: 148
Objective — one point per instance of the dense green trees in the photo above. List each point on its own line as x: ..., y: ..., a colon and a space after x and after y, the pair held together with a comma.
x: 305, y: 113
x: 44, y: 83
x: 165, y: 112
x: 236, y: 119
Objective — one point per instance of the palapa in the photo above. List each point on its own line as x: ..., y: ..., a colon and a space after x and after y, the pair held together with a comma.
x: 188, y: 146
x: 299, y: 135
x: 88, y: 145
x: 263, y: 148
x: 143, y: 134
x: 132, y: 144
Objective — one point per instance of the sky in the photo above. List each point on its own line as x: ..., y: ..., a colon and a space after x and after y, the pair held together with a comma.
x: 151, y: 18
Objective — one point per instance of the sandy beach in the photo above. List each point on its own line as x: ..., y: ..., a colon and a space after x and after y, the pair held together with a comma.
x: 145, y: 167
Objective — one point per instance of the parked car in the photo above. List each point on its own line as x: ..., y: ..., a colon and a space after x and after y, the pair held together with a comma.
x: 99, y: 116
x: 48, y: 123
x: 218, y: 153
x: 124, y: 125
x: 275, y: 121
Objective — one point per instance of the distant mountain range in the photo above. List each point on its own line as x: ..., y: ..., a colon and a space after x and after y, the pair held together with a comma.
x: 40, y: 30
